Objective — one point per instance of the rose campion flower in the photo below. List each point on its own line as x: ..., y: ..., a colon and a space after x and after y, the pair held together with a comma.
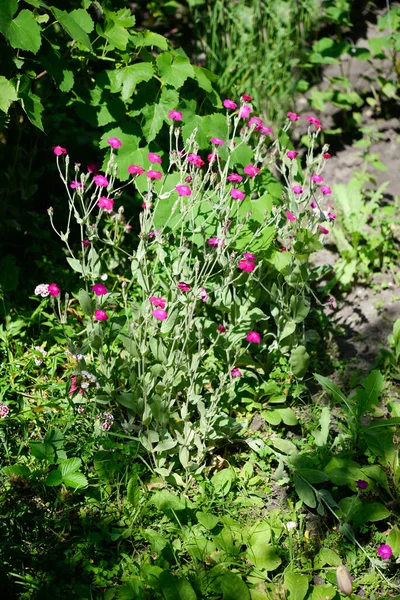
x: 297, y: 189
x: 326, y: 155
x: 235, y: 177
x: 361, y: 484
x: 323, y: 229
x: 42, y: 290
x: 100, y: 180
x: 135, y: 170
x: 76, y: 185
x: 245, y: 110
x: 212, y: 158
x: 154, y: 158
x: 59, y: 150
x: 195, y: 159
x: 293, y: 116
x: 249, y: 256
x: 290, y: 216
x: 253, y: 337
x: 92, y: 167
x: 185, y: 287
x: 221, y: 329
x: 175, y: 115
x: 314, y: 204
x: 100, y: 315
x: 385, y: 551
x: 251, y: 171
x: 326, y: 190
x: 183, y: 190
x: 158, y: 302
x: 237, y: 194
x: 291, y: 154
x: 317, y: 178
x: 246, y: 265
x: 247, y: 98
x: 331, y: 216
x: 217, y: 141
x: 230, y: 104
x: 114, y: 142
x: 160, y: 314
x: 204, y: 295
x: 213, y: 241
x: 106, y: 203
x: 152, y: 174
x: 313, y: 120
x: 264, y: 130
x: 85, y: 243
x: 54, y: 290
x: 255, y: 121
x: 236, y: 372
x: 99, y: 289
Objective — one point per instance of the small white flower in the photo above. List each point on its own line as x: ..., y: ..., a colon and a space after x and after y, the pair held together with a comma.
x: 291, y: 525
x: 104, y: 277
x: 42, y: 290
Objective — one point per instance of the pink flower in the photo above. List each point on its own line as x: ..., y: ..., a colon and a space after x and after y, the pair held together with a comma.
x: 249, y: 256
x: 326, y: 190
x: 251, y: 170
x: 253, y: 337
x: 153, y: 233
x: 283, y: 249
x: 331, y: 216
x: 247, y: 98
x: 160, y: 314
x: 175, y: 115
x: 317, y: 178
x: 195, y: 159
x: 313, y: 120
x: 214, y: 241
x: 297, y: 189
x: 212, y: 158
x: 385, y: 551
x: 114, y: 142
x: 100, y: 180
x: 221, y: 329
x: 217, y: 141
x: 85, y: 243
x: 135, y: 170
x: 331, y: 305
x: 157, y: 301
x: 290, y: 216
x: 314, y: 204
x: 326, y: 155
x: 73, y: 387
x: 42, y: 290
x: 80, y: 410
x: 154, y: 158
x: 291, y: 154
x: 245, y: 110
x: 246, y: 265
x: 100, y: 315
x: 188, y: 178
x: 264, y: 130
x: 183, y: 190
x: 230, y: 104
x: 4, y: 410
x: 323, y: 230
x: 152, y: 174
x: 54, y: 290
x: 185, y: 287
x: 204, y: 295
x: 58, y: 150
x: 99, y: 289
x: 235, y: 177
x: 236, y: 372
x: 92, y: 167
x: 106, y: 203
x: 237, y: 194
x: 293, y: 116
x: 76, y: 184
x: 255, y: 120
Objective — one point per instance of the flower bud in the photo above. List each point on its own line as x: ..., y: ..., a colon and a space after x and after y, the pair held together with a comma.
x: 344, y: 580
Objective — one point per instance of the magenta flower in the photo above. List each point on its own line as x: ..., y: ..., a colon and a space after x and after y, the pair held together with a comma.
x: 114, y: 142
x: 176, y: 115
x: 106, y: 203
x: 204, y: 295
x: 214, y: 241
x: 385, y: 551
x: 249, y: 256
x: 54, y: 290
x: 92, y: 167
x: 293, y: 116
x: 297, y: 189
x: 361, y: 484
x: 159, y: 314
x: 251, y: 171
x: 100, y: 180
x: 245, y: 110
x: 58, y: 150
x: 100, y: 315
x: 326, y: 190
x: 314, y: 204
x: 317, y: 178
x: 158, y: 302
x: 183, y: 190
x: 85, y: 243
x: 283, y: 249
x: 154, y: 158
x: 237, y: 194
x: 195, y: 159
x: 217, y: 141
x: 236, y: 372
x: 255, y: 121
x: 313, y: 120
x: 323, y: 229
x: 247, y: 98
x: 152, y: 174
x: 235, y: 177
x: 246, y: 265
x: 185, y: 287
x: 4, y: 410
x: 326, y: 155
x: 221, y: 329
x: 153, y: 233
x: 290, y: 216
x: 230, y: 104
x: 331, y: 216
x: 99, y: 289
x: 76, y: 184
x: 291, y: 154
x: 253, y: 337
x: 135, y: 170
x: 212, y: 158
x: 264, y: 130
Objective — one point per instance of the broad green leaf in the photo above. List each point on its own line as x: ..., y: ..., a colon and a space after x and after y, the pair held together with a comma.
x: 299, y: 361
x: 20, y: 470
x: 85, y: 302
x: 326, y: 556
x: 174, y: 70
x: 168, y: 502
x: 33, y: 107
x: 133, y: 491
x: 321, y: 435
x: 24, y: 32
x: 8, y: 94
x: 75, y: 264
x: 233, y: 587
x: 296, y: 584
x: 300, y: 307
x: 206, y: 519
x: 280, y: 260
x: 370, y: 394
x: 312, y: 475
x: 263, y: 556
x: 126, y: 79
x: 285, y: 446
x: 73, y: 29
x: 394, y: 540
x: 372, y: 512
x: 149, y: 38
x: 332, y: 388
x: 204, y: 78
x: 156, y: 114
x: 54, y: 478
x: 8, y: 8
x: 323, y: 592
x: 70, y: 465
x: 174, y: 588
x: 223, y: 480
x: 83, y: 19
x: 105, y: 465
x: 75, y: 480
x: 304, y: 491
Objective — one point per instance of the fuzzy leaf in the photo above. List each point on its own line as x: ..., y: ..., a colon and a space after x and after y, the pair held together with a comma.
x: 321, y: 435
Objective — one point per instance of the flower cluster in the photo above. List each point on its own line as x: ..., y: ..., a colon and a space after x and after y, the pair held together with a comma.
x: 4, y: 410
x: 45, y: 289
x: 108, y: 421
x: 38, y: 360
x: 82, y: 382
